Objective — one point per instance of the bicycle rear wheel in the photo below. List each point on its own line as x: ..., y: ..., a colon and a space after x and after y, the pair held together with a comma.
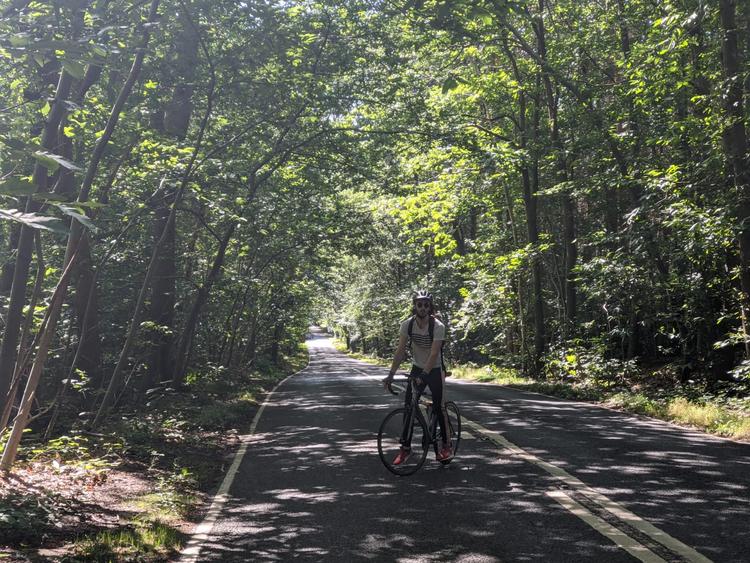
x: 454, y: 426
x: 389, y: 442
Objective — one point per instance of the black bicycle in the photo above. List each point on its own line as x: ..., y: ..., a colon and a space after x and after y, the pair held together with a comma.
x: 413, y: 421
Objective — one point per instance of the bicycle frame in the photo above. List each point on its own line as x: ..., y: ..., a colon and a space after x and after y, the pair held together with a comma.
x: 414, y: 407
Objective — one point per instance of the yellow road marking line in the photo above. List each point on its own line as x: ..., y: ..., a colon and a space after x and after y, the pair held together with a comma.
x: 673, y: 544
x: 606, y: 529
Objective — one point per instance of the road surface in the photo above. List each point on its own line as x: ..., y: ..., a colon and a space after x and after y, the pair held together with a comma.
x: 536, y: 479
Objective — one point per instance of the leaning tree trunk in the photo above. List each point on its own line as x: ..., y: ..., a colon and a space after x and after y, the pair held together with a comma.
x: 186, y: 338
x: 24, y: 412
x: 25, y: 347
x: 74, y: 242
x: 14, y: 316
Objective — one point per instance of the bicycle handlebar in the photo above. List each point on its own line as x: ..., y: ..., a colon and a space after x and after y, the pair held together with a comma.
x: 387, y: 384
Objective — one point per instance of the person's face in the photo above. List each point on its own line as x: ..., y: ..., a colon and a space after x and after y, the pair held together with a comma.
x: 423, y: 307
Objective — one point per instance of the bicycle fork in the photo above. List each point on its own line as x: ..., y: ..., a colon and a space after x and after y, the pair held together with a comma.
x: 408, y: 431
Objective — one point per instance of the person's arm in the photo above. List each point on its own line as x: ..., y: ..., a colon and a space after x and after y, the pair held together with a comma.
x: 433, y: 360
x: 398, y: 357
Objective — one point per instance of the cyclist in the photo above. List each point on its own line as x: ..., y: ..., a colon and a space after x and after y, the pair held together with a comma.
x: 424, y: 334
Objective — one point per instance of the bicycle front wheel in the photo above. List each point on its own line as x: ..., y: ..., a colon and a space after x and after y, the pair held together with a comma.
x: 454, y: 427
x: 391, y: 438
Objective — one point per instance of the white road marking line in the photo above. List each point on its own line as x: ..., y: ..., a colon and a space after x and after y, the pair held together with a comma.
x: 192, y: 549
x: 673, y: 544
x: 606, y: 529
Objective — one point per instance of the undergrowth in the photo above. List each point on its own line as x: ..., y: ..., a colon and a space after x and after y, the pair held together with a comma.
x: 582, y: 375
x: 177, y: 440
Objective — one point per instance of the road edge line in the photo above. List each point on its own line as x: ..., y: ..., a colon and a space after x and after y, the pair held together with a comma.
x: 191, y: 551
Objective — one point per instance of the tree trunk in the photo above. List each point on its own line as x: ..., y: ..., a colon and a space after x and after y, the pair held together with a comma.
x: 179, y: 109
x: 570, y: 249
x: 735, y: 140
x: 176, y: 121
x: 530, y: 183
x: 163, y: 292
x: 14, y: 318
x: 186, y: 338
x: 87, y: 315
x: 6, y: 278
x: 274, y: 351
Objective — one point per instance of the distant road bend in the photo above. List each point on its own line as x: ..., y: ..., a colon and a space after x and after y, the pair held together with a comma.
x: 536, y: 479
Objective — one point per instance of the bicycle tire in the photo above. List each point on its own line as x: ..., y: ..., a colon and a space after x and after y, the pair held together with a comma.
x: 454, y: 424
x: 389, y: 443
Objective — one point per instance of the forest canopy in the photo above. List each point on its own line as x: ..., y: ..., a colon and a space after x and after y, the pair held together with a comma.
x: 187, y: 184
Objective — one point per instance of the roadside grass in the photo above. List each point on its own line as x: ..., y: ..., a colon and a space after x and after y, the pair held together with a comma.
x: 153, y: 533
x: 706, y: 415
x: 340, y: 345
x: 140, y: 540
x: 712, y: 414
x: 173, y: 499
x: 510, y: 377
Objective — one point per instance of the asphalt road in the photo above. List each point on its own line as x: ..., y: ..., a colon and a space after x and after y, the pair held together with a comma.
x: 536, y: 479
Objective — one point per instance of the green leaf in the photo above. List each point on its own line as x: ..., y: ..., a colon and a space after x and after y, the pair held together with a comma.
x: 15, y: 144
x: 51, y: 197
x: 74, y: 68
x: 34, y: 221
x: 20, y: 40
x: 78, y: 216
x: 479, y: 13
x: 60, y: 198
x: 99, y: 50
x: 16, y: 187
x: 52, y: 161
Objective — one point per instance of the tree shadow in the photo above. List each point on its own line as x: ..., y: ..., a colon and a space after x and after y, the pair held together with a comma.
x: 312, y: 487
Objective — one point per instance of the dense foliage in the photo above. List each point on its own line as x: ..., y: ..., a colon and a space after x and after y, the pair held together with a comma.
x: 187, y: 184
x: 570, y: 179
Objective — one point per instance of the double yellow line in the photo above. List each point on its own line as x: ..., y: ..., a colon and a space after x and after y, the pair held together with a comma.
x: 616, y: 535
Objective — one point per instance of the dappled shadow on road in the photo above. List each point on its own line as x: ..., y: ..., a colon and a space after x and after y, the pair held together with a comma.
x: 313, y: 488
x: 694, y: 486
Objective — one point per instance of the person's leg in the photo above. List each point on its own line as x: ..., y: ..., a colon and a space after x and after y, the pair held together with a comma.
x: 406, y: 436
x: 435, y: 381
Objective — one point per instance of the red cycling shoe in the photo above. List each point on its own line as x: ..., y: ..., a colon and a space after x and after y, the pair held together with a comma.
x: 445, y: 454
x: 402, y: 456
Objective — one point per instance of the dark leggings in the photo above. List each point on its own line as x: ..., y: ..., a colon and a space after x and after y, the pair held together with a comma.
x: 434, y: 380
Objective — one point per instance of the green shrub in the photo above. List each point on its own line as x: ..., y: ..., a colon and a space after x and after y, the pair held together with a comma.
x: 637, y: 403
